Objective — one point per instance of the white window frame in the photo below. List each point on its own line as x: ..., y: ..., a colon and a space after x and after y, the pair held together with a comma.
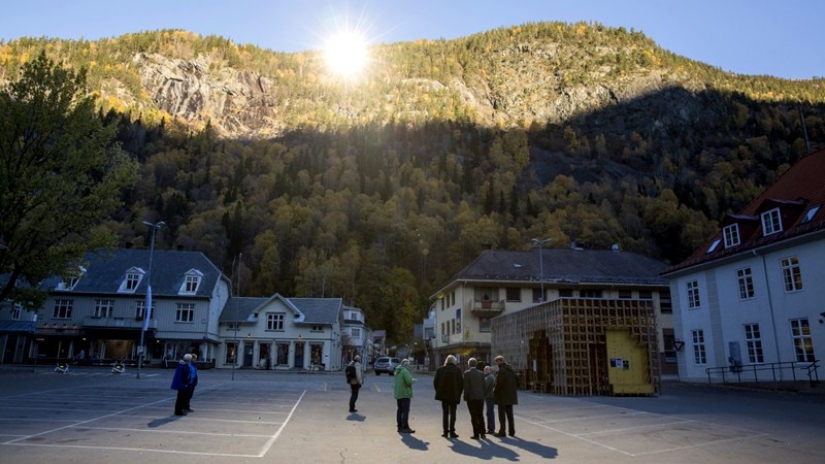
x: 731, y: 234
x: 791, y: 274
x: 16, y: 310
x: 275, y: 321
x: 771, y: 222
x: 700, y: 357
x: 63, y: 308
x: 132, y: 280
x: 744, y: 277
x: 753, y: 341
x: 140, y: 309
x: 191, y: 282
x: 802, y: 342
x: 104, y: 308
x: 355, y: 332
x: 185, y: 313
x: 694, y: 299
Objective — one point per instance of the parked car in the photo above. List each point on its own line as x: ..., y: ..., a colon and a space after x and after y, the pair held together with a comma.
x: 386, y: 364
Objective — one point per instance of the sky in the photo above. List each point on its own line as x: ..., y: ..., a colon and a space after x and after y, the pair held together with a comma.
x: 755, y: 37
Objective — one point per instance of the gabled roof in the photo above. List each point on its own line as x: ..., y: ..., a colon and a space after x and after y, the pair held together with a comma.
x: 314, y: 311
x: 800, y: 188
x: 562, y: 265
x: 107, y: 269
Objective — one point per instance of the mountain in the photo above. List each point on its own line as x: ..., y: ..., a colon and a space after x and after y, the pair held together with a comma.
x: 378, y: 190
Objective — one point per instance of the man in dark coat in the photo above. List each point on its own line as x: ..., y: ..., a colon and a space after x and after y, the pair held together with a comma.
x: 180, y: 382
x: 505, y: 393
x: 448, y: 384
x: 474, y: 392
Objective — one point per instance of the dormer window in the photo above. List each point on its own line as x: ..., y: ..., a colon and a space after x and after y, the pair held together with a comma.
x: 771, y: 222
x: 132, y: 280
x: 731, y: 234
x: 191, y: 282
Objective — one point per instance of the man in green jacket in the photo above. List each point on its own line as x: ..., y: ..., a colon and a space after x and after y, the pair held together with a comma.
x: 403, y: 395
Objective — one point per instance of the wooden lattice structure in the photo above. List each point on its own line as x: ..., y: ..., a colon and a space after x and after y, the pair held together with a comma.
x: 561, y: 346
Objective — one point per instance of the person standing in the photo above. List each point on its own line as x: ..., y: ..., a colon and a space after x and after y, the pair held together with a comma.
x: 180, y: 382
x: 355, y: 383
x: 505, y: 393
x: 403, y: 396
x: 474, y: 392
x: 193, y: 381
x: 448, y: 383
x: 489, y: 399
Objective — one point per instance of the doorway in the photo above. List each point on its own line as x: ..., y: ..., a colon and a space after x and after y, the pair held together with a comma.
x: 298, y: 360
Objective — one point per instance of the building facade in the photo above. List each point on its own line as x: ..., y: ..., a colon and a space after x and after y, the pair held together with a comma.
x: 282, y: 333
x: 750, y: 301
x: 499, y: 283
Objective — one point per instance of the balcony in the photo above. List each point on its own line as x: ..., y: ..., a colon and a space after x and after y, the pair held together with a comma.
x: 117, y: 323
x: 487, y: 308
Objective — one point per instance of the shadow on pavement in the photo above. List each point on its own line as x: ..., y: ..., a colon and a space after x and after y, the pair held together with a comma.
x: 413, y: 443
x: 161, y: 422
x: 545, y: 452
x: 488, y: 450
x: 355, y: 417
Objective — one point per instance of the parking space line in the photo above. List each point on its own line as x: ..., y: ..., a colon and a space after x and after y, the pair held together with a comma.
x: 275, y: 436
x: 185, y: 432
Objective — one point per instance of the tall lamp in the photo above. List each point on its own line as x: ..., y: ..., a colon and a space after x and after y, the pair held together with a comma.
x: 147, y: 312
x: 539, y: 243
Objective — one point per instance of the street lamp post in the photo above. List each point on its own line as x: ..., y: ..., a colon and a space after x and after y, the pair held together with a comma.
x: 539, y: 243
x: 147, y: 310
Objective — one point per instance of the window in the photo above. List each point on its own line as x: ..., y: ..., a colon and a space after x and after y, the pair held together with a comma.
x: 190, y: 282
x: 590, y: 293
x: 185, y: 312
x: 731, y: 234
x: 233, y: 326
x: 317, y: 328
x: 355, y: 332
x: 131, y: 280
x: 484, y: 325
x: 624, y: 294
x: 537, y: 295
x: 231, y: 348
x: 693, y: 294
x: 513, y: 294
x: 104, y: 308
x: 15, y: 312
x: 745, y: 283
x: 665, y: 303
x: 792, y: 274
x: 809, y: 215
x: 754, y: 342
x: 645, y: 295
x: 275, y: 321
x: 140, y: 309
x: 771, y: 224
x: 699, y: 356
x: 63, y: 309
x: 565, y: 293
x: 802, y: 342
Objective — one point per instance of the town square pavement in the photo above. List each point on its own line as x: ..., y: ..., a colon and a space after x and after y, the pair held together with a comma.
x: 91, y: 415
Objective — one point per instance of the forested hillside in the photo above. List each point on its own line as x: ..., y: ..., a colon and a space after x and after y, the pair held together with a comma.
x: 377, y: 191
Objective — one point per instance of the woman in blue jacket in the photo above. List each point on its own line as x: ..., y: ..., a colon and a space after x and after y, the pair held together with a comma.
x: 180, y: 382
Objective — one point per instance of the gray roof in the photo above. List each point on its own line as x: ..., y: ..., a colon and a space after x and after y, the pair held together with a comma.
x: 324, y: 311
x: 564, y: 265
x: 105, y: 271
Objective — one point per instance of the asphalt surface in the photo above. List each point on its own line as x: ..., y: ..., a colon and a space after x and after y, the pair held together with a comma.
x: 91, y: 415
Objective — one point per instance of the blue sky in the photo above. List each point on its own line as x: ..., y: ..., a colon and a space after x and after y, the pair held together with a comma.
x: 779, y: 38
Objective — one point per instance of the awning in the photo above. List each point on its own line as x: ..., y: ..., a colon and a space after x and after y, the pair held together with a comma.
x: 17, y: 327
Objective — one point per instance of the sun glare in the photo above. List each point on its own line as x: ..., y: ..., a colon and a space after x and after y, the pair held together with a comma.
x: 346, y: 54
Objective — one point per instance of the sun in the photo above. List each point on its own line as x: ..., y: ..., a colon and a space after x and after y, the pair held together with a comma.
x: 346, y: 54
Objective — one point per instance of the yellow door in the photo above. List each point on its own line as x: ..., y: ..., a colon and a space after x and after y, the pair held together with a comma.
x: 629, y: 364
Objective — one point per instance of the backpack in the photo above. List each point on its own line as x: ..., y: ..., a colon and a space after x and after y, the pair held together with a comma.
x: 350, y: 373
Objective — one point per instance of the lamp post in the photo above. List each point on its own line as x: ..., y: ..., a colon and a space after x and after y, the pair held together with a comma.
x: 147, y: 311
x: 539, y: 243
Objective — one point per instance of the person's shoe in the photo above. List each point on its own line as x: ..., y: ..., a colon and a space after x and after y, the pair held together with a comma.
x: 453, y: 435
x: 189, y: 410
x: 483, y: 437
x: 353, y: 410
x: 491, y: 432
x: 474, y: 437
x: 407, y: 431
x: 182, y: 413
x: 445, y: 434
x: 512, y: 434
x: 500, y: 434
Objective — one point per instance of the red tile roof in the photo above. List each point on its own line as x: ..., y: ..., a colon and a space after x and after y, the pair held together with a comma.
x: 801, y: 187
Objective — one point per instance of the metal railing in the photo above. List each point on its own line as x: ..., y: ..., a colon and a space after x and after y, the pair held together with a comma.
x: 770, y: 372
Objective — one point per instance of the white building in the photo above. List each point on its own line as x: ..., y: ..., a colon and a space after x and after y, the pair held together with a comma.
x: 750, y: 303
